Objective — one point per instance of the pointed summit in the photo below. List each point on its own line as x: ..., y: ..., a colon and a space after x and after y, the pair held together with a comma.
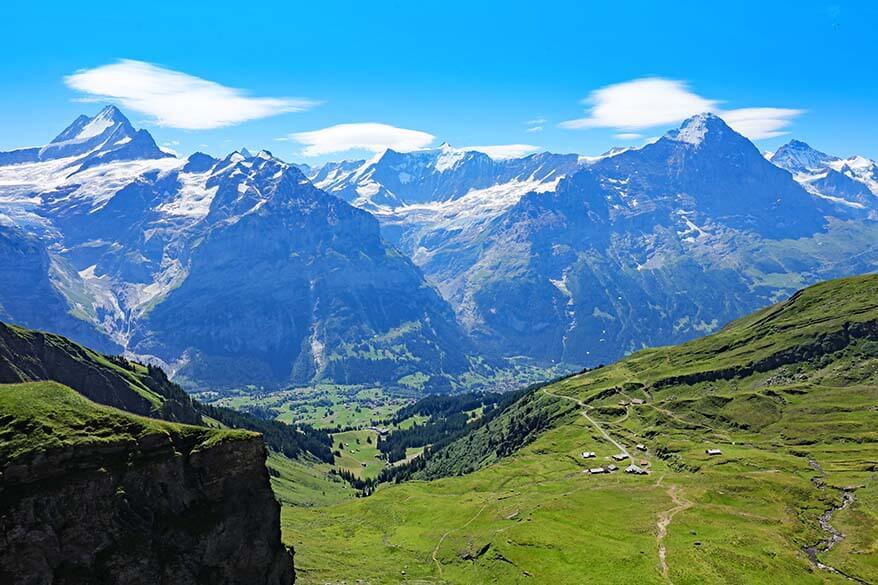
x: 695, y: 130
x: 84, y: 129
x: 111, y: 112
x: 105, y: 137
x: 798, y: 157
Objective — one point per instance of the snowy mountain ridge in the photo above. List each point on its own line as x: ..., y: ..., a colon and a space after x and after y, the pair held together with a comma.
x: 318, y: 273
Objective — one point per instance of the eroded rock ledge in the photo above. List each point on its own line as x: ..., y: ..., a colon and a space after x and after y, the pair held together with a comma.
x: 164, y: 510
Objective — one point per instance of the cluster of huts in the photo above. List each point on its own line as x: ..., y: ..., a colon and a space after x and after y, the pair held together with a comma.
x: 638, y: 469
x: 633, y: 401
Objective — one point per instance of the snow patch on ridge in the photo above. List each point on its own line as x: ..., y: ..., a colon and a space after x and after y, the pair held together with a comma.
x: 193, y: 198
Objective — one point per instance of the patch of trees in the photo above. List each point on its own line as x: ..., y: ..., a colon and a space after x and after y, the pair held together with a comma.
x: 279, y: 436
x: 364, y: 487
x: 442, y: 406
x: 289, y: 440
x: 436, y: 430
x: 177, y: 404
x: 502, y: 438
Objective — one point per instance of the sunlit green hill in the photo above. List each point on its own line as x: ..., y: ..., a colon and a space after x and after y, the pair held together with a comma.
x: 789, y: 397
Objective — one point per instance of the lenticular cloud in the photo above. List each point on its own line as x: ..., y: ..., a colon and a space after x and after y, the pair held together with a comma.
x: 176, y: 99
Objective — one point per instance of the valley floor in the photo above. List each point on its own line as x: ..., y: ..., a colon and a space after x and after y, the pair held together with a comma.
x: 746, y: 516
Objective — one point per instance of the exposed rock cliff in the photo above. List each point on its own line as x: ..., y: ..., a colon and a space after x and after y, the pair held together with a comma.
x: 89, y: 494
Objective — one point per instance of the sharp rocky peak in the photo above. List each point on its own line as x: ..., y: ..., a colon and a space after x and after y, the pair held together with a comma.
x: 700, y: 128
x: 797, y: 156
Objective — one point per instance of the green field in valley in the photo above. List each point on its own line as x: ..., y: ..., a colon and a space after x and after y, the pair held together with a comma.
x: 321, y: 406
x: 788, y: 395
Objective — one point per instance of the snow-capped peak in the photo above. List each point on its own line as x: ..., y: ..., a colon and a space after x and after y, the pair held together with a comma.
x: 694, y: 130
x: 858, y: 163
x: 85, y: 129
x: 798, y: 157
x: 448, y: 157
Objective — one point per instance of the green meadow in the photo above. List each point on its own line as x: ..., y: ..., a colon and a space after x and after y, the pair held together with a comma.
x: 788, y: 395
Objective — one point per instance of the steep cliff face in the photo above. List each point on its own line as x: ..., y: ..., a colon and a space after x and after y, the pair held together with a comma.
x: 89, y: 494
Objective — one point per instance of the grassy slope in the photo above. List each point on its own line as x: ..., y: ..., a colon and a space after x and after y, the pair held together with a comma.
x: 69, y: 352
x: 305, y: 483
x: 743, y: 517
x: 39, y: 416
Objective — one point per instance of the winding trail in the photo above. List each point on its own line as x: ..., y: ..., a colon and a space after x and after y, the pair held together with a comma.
x: 664, y: 520
x: 673, y: 491
x: 651, y: 404
x: 594, y: 423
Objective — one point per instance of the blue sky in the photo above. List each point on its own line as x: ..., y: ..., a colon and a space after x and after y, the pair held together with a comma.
x: 469, y: 73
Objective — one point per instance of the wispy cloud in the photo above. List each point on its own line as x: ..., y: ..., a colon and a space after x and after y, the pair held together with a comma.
x: 176, y: 99
x: 503, y: 151
x: 628, y: 136
x: 760, y: 123
x: 369, y: 136
x: 653, y: 101
x: 536, y: 125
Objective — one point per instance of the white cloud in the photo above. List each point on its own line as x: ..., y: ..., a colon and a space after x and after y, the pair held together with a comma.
x: 641, y: 103
x: 757, y: 123
x: 503, y: 151
x: 653, y: 101
x: 628, y: 136
x: 369, y: 136
x: 536, y: 125
x: 176, y: 99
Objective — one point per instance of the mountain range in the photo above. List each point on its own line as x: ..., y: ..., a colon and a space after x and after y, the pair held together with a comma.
x: 634, y: 248
x: 234, y: 271
x: 426, y: 270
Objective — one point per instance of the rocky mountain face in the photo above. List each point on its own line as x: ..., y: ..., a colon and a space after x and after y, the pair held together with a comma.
x: 317, y: 295
x: 637, y: 247
x: 849, y: 184
x: 249, y: 270
x: 33, y: 281
x: 97, y: 485
x: 90, y: 494
x: 229, y: 272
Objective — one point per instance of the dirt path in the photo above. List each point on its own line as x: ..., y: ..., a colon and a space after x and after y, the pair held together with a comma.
x: 673, y: 491
x: 442, y: 538
x: 594, y: 423
x: 664, y: 520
